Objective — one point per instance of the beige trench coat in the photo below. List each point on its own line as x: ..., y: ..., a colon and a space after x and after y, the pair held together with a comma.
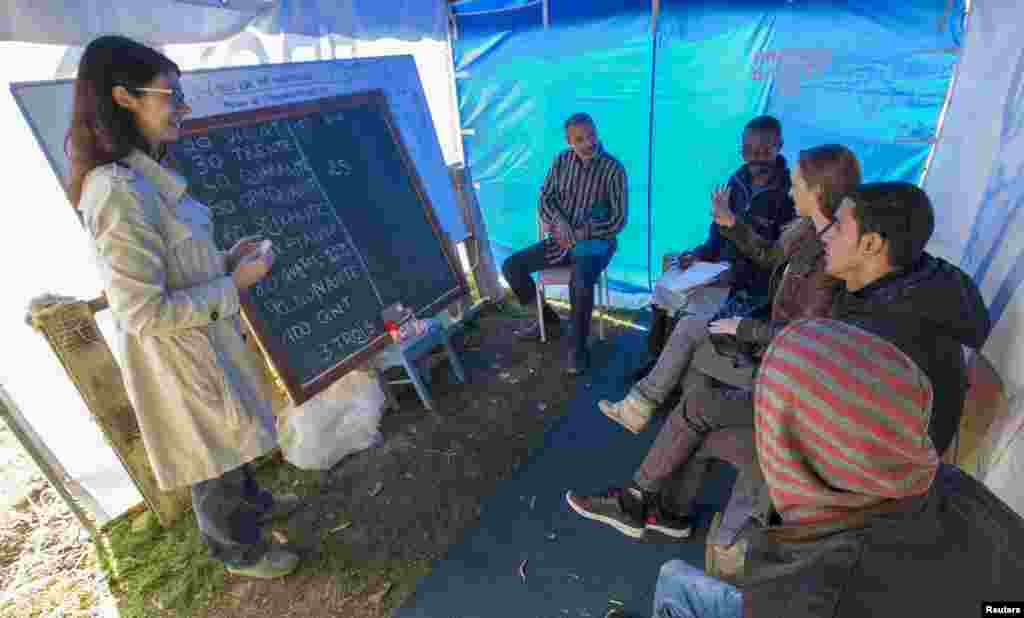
x: 197, y: 392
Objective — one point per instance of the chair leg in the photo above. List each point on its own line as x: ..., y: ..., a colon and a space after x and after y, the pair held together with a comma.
x: 389, y: 395
x: 453, y: 359
x: 417, y: 381
x: 540, y: 311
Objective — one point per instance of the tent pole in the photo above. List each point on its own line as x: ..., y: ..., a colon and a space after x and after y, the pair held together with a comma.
x: 453, y: 91
x: 42, y: 457
x: 655, y: 6
x: 937, y: 138
x: 453, y: 26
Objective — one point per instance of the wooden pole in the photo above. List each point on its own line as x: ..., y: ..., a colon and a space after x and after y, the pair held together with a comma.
x: 71, y: 331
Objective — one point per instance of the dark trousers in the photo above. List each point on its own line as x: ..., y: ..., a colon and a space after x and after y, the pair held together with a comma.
x: 661, y: 328
x: 228, y: 509
x: 703, y: 409
x: 679, y: 453
x: 520, y: 266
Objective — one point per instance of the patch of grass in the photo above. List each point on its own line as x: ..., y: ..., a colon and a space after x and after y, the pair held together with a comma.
x: 152, y: 568
x: 165, y: 568
x: 474, y: 289
x: 510, y: 308
x: 287, y: 479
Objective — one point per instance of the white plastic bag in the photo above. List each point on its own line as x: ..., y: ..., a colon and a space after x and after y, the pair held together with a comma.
x: 340, y: 420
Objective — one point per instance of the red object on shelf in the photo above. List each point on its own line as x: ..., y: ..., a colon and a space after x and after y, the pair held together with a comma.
x: 393, y: 330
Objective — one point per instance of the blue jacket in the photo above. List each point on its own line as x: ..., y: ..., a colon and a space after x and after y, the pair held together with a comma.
x: 767, y: 210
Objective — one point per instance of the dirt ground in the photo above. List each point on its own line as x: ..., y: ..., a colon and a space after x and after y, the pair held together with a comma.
x: 375, y: 522
x: 47, y: 566
x: 411, y: 497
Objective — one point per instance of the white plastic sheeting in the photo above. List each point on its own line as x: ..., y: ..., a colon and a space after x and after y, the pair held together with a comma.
x: 46, y: 251
x: 75, y: 22
x: 976, y: 182
x: 70, y: 22
x: 49, y: 252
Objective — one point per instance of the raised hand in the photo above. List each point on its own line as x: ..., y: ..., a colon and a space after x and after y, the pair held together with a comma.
x: 720, y: 211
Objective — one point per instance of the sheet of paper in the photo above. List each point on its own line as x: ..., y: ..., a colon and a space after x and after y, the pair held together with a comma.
x: 699, y: 273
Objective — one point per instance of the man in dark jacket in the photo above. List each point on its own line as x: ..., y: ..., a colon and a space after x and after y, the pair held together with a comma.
x: 873, y: 525
x: 758, y: 194
x: 926, y: 306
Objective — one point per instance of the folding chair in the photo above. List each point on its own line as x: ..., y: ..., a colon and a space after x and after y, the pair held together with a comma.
x: 562, y: 275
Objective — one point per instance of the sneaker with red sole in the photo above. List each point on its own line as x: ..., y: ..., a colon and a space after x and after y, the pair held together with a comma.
x: 669, y: 524
x: 607, y: 508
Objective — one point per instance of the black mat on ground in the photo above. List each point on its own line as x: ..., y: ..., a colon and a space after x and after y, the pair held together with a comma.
x: 574, y: 567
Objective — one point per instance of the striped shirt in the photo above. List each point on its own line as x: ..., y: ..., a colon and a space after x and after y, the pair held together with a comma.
x: 590, y: 195
x: 841, y: 422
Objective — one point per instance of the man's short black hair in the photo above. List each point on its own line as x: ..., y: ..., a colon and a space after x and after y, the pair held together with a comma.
x: 578, y: 119
x: 766, y: 123
x: 900, y: 213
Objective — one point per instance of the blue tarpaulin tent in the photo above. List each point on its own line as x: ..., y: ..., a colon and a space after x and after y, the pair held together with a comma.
x: 671, y: 90
x: 671, y: 83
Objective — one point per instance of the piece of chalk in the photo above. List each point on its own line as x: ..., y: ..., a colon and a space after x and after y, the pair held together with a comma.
x: 265, y: 246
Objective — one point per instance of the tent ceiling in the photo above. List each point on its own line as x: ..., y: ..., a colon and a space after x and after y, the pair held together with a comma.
x: 163, y: 22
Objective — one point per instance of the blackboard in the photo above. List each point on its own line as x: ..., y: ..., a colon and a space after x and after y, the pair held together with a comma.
x: 331, y: 184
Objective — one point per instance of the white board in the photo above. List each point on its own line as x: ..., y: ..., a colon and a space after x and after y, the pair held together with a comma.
x: 47, y: 108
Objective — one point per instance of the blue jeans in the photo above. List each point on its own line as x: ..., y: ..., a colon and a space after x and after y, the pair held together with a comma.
x: 227, y: 511
x: 684, y: 591
x: 585, y: 271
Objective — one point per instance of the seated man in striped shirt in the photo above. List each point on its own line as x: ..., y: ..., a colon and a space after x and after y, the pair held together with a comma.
x: 583, y: 203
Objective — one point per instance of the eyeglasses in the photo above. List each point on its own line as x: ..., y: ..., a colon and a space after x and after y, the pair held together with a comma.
x: 177, y: 94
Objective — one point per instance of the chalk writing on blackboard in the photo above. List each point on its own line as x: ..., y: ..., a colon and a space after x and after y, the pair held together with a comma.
x: 330, y: 183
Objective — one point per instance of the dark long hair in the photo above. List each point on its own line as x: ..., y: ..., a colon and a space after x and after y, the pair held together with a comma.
x: 101, y: 130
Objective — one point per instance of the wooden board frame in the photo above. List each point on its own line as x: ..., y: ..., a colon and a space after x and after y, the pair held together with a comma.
x: 299, y: 392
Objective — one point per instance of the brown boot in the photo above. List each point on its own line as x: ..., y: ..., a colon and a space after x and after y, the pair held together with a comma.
x: 633, y: 412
